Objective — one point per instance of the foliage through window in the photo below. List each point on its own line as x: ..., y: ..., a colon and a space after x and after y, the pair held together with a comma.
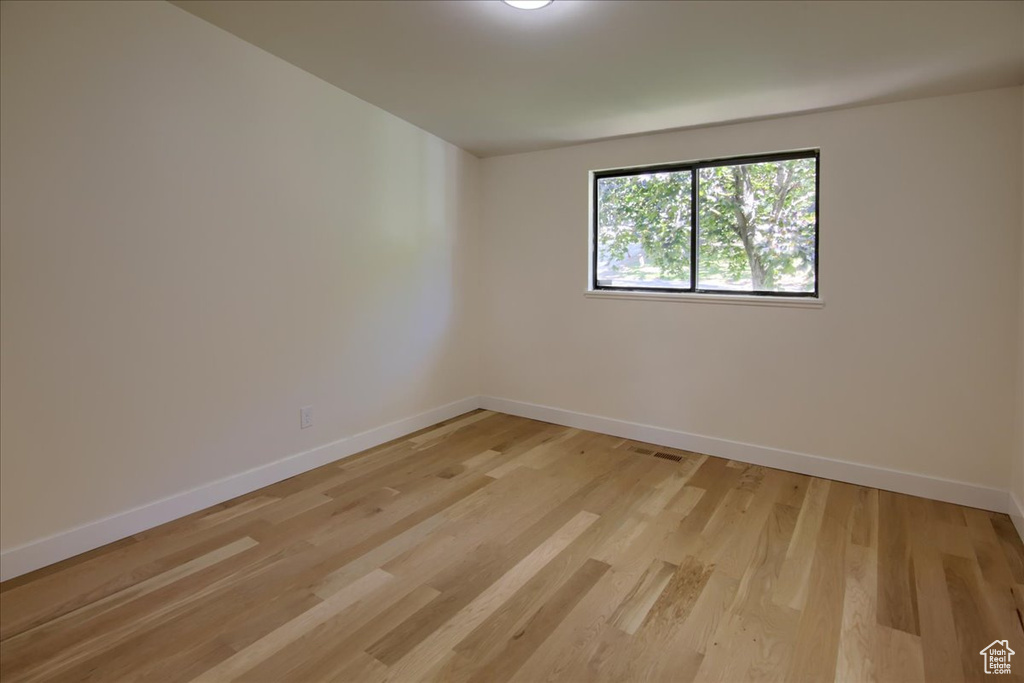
x: 727, y: 226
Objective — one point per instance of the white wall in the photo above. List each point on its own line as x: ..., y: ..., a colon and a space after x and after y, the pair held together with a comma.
x: 908, y: 365
x: 197, y: 239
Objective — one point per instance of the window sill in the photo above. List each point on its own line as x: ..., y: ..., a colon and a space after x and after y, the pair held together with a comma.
x: 690, y: 298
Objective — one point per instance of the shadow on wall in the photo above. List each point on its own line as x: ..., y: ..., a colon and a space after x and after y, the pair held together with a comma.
x: 403, y: 256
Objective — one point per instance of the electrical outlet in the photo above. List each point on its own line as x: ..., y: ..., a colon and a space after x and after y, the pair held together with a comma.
x: 305, y: 417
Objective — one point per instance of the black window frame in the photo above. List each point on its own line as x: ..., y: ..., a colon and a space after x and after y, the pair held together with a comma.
x: 694, y: 167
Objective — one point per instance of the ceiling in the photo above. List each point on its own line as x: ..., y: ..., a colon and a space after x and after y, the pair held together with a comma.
x: 496, y: 80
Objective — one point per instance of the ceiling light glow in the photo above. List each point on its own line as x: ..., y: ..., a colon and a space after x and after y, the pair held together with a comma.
x: 527, y: 4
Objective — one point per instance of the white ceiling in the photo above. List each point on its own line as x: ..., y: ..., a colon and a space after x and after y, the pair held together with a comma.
x: 495, y: 80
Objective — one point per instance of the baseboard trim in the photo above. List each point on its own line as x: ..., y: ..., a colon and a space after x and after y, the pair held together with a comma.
x: 936, y: 488
x: 61, y: 546
x: 1016, y: 513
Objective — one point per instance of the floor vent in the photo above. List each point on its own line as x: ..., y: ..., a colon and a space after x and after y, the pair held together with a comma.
x: 656, y: 454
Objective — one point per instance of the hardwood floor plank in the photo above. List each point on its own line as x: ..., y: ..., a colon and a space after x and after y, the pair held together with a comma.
x: 750, y: 648
x: 655, y: 653
x: 864, y: 525
x: 462, y: 580
x: 633, y: 610
x: 604, y: 534
x: 899, y: 658
x: 897, y: 598
x: 63, y: 650
x: 988, y: 548
x: 791, y: 590
x: 752, y: 626
x: 820, y: 628
x: 858, y: 641
x: 730, y: 547
x: 385, y: 622
x: 238, y: 664
x: 973, y: 619
x: 450, y: 428
x: 141, y: 588
x: 538, y: 627
x: 83, y: 582
x: 318, y: 652
x: 576, y: 640
x: 424, y: 656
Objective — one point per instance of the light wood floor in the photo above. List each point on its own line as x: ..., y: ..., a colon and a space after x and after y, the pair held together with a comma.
x: 493, y: 548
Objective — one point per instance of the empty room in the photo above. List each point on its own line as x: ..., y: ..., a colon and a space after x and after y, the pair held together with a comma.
x: 511, y: 341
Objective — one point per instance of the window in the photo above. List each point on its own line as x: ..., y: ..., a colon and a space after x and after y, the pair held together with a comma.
x: 724, y: 226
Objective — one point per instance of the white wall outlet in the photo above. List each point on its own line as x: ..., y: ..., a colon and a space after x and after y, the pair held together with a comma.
x: 305, y: 417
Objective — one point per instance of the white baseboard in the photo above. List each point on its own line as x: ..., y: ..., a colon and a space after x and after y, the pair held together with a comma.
x: 40, y: 553
x: 865, y: 475
x: 1016, y: 513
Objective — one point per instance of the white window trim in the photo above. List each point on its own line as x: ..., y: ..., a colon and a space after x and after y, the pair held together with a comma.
x: 700, y: 298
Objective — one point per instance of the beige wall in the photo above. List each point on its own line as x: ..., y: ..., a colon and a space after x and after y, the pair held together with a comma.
x: 197, y: 239
x: 1017, y: 486
x: 908, y: 364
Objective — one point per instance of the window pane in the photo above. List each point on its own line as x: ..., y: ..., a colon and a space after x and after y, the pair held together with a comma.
x: 756, y: 227
x: 643, y: 230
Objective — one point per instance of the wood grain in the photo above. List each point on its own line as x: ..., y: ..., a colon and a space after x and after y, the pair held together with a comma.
x: 491, y: 548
